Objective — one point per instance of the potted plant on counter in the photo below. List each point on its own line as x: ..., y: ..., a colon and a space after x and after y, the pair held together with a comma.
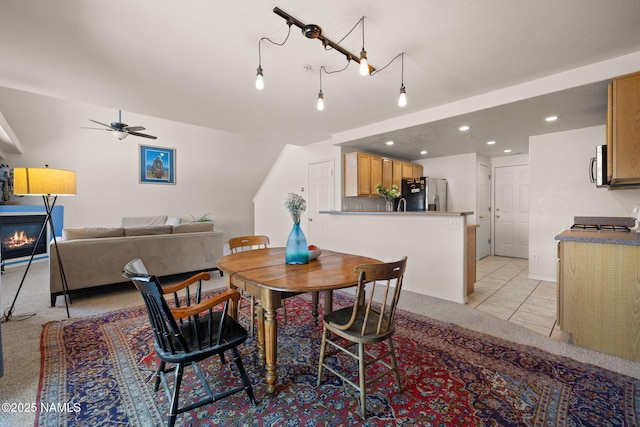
x: 388, y: 195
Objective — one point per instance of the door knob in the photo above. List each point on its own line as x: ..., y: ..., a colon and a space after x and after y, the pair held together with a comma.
x: 497, y: 216
x: 310, y: 219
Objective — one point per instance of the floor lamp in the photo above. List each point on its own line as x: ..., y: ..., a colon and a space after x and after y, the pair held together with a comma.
x: 48, y: 183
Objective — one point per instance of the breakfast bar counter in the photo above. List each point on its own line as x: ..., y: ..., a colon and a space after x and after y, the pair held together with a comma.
x: 435, y: 243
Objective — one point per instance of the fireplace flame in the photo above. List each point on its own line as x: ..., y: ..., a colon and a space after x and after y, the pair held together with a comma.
x: 18, y: 240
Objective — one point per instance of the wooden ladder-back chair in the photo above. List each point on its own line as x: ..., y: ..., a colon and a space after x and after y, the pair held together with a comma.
x: 371, y: 319
x: 188, y: 334
x: 248, y: 243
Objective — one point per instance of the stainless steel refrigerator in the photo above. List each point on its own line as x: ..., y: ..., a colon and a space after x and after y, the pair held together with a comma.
x: 425, y: 193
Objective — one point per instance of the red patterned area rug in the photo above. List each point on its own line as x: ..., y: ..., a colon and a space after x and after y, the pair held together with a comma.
x: 99, y: 372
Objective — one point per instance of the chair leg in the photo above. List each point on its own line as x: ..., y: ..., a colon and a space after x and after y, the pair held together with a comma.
x: 173, y: 413
x: 363, y: 382
x: 158, y: 371
x: 322, y: 349
x: 394, y: 363
x: 284, y: 311
x: 253, y: 315
x: 243, y: 374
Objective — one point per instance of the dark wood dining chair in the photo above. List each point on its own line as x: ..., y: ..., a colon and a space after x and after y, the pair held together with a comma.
x: 188, y: 334
x: 371, y: 319
x: 247, y: 243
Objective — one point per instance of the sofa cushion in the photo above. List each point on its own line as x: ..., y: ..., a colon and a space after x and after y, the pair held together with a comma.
x: 91, y: 233
x: 146, y: 231
x: 172, y: 220
x: 192, y: 227
x: 142, y: 221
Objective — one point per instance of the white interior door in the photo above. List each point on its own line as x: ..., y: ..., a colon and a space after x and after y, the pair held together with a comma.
x: 511, y: 213
x: 321, y: 198
x: 483, y: 233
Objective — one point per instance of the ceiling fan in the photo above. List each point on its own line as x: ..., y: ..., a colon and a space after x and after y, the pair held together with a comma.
x: 122, y: 130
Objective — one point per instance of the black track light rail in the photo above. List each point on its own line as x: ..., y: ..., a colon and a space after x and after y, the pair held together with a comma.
x: 313, y: 31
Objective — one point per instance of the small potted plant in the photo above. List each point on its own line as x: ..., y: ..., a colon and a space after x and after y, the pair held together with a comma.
x: 388, y: 195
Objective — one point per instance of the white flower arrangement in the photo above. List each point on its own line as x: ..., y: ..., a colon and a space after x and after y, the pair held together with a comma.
x: 295, y: 204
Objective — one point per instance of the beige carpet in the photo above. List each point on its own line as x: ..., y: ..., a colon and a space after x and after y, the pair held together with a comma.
x: 21, y: 338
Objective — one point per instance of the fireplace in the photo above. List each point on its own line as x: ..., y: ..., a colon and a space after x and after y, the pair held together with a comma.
x: 19, y: 235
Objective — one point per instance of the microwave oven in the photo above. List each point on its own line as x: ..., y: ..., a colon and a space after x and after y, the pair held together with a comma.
x: 598, y: 167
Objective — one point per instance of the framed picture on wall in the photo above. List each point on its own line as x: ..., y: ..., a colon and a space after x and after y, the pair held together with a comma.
x: 157, y: 165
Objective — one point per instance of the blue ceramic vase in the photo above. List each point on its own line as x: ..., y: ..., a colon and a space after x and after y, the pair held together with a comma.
x: 297, y: 251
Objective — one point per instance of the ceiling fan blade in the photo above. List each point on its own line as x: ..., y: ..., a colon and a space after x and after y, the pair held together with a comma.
x: 135, y: 128
x: 142, y: 135
x: 103, y: 124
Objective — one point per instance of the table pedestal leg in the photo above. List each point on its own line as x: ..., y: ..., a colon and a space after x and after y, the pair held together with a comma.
x: 234, y: 306
x: 314, y: 307
x: 269, y: 305
x: 328, y: 302
x: 260, y: 313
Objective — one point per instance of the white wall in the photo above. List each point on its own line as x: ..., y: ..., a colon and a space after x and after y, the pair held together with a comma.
x: 560, y: 190
x: 216, y: 172
x: 290, y: 174
x: 461, y: 176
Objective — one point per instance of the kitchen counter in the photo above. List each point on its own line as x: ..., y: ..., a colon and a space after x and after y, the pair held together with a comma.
x: 630, y: 238
x: 395, y: 213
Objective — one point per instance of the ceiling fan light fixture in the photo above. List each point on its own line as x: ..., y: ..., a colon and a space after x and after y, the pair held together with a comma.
x: 120, y: 134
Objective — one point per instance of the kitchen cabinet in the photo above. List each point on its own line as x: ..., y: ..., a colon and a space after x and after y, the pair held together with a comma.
x: 623, y: 131
x: 599, y: 294
x: 357, y: 174
x: 363, y: 171
x: 471, y: 257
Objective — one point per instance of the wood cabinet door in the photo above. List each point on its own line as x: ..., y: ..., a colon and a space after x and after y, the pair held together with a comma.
x: 397, y: 174
x: 407, y: 170
x: 417, y: 171
x: 364, y: 174
x: 376, y: 174
x: 626, y: 130
x: 387, y: 173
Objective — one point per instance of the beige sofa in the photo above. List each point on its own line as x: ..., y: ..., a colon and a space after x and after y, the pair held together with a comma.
x: 95, y: 256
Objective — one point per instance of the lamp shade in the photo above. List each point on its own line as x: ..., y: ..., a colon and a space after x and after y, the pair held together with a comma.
x: 43, y: 182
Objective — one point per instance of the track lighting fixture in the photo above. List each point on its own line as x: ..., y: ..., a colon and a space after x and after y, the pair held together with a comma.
x: 364, y: 64
x: 313, y: 31
x: 320, y: 103
x: 402, y: 99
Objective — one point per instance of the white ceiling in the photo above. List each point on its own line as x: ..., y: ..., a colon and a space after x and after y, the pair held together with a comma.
x: 194, y: 61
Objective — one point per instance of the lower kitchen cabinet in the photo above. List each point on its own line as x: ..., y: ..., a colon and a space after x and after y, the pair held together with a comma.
x: 599, y: 296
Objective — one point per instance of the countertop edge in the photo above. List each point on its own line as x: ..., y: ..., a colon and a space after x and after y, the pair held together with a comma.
x: 604, y: 237
x: 409, y: 213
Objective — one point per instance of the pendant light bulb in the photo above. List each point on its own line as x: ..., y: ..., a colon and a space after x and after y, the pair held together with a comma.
x: 320, y: 104
x: 364, y: 65
x: 402, y: 100
x: 259, y: 79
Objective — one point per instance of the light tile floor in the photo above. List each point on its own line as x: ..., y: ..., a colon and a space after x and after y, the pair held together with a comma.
x: 503, y: 289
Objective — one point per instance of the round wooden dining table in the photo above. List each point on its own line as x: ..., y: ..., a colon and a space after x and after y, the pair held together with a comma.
x: 264, y: 273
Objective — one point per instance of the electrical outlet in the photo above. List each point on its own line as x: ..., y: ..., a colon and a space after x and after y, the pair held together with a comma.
x: 454, y: 223
x: 534, y: 257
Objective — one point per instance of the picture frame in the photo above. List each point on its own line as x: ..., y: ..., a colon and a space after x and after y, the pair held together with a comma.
x: 157, y: 165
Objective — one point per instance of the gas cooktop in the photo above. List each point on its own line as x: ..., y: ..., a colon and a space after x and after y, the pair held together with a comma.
x: 590, y: 223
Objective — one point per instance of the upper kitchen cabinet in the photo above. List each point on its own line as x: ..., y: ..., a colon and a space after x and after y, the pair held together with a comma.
x: 623, y: 130
x: 363, y: 171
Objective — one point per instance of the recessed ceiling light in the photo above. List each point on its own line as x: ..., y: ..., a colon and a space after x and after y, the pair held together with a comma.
x: 423, y: 152
x: 464, y: 128
x: 389, y: 143
x: 490, y: 142
x: 507, y: 151
x: 551, y: 119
